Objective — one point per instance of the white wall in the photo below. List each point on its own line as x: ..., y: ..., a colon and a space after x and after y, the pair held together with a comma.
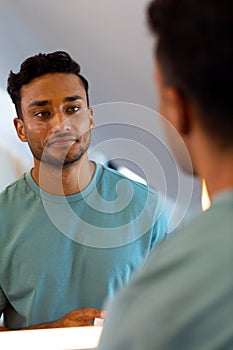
x: 8, y: 134
x: 15, y: 157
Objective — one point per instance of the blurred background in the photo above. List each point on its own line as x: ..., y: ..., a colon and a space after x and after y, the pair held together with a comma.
x: 111, y: 42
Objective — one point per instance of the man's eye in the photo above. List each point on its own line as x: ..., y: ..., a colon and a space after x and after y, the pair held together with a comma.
x: 42, y: 114
x: 72, y: 109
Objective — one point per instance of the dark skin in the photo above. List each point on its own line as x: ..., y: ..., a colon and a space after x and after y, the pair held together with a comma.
x: 76, y: 318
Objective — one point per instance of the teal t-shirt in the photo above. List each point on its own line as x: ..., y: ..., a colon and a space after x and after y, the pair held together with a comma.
x: 183, y: 296
x: 62, y: 253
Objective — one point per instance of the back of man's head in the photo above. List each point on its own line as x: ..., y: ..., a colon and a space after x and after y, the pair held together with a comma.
x: 38, y: 65
x: 195, y: 53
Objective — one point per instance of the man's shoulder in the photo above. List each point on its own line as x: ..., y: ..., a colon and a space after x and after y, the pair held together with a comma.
x: 203, y: 232
x: 135, y: 196
x: 14, y: 188
x: 115, y: 176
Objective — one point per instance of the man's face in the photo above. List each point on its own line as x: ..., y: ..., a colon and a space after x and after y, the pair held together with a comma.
x: 56, y: 121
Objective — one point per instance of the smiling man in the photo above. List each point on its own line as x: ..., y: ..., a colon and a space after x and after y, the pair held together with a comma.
x: 56, y: 124
x: 72, y: 231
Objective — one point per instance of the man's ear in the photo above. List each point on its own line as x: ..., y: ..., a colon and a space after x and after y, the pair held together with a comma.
x: 177, y: 110
x: 19, y: 126
x: 91, y: 114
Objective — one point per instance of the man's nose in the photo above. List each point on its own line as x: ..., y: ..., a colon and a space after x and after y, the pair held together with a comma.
x: 61, y: 122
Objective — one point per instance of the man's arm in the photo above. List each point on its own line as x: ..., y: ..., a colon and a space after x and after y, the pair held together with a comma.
x: 75, y: 318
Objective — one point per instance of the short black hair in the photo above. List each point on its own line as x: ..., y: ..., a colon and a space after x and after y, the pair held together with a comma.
x: 38, y: 65
x: 194, y: 48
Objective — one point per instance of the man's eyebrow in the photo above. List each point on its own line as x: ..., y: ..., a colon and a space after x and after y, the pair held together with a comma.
x: 72, y: 98
x: 49, y: 102
x: 40, y: 103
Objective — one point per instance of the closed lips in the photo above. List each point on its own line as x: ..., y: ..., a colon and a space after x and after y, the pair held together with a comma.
x: 62, y: 141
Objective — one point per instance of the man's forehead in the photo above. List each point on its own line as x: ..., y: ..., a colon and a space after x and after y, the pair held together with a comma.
x: 67, y: 80
x: 53, y: 85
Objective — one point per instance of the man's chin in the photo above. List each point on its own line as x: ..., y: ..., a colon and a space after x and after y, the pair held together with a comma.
x: 60, y: 163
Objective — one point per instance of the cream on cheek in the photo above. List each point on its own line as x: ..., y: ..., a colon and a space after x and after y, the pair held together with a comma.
x: 37, y: 127
x: 83, y: 127
x: 38, y: 133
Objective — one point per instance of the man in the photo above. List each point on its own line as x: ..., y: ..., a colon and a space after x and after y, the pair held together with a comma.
x: 72, y: 231
x: 183, y: 297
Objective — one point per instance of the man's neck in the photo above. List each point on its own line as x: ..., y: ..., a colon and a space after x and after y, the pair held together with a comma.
x: 219, y: 177
x: 64, y: 181
x: 216, y: 167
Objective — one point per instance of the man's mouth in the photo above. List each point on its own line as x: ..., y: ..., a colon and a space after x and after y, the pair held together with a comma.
x: 61, y: 142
